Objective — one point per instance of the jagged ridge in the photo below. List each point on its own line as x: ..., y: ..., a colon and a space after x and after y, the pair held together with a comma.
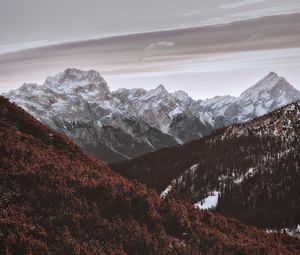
x: 130, y: 122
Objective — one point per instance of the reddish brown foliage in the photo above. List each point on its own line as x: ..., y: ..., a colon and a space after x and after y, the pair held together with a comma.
x: 54, y: 199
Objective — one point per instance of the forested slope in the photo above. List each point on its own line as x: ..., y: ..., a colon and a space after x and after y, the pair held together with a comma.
x: 253, y: 166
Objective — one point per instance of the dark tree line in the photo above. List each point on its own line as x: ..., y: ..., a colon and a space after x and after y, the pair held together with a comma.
x: 254, y: 166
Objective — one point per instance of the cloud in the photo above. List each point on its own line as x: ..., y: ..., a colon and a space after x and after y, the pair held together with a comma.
x: 193, y: 13
x: 4, y: 48
x: 157, y: 45
x: 153, y: 47
x: 240, y: 4
x: 255, y: 37
x: 267, y: 11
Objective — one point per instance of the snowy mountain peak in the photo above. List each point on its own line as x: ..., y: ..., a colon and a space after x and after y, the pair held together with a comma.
x: 269, y: 81
x: 272, y: 75
x: 182, y: 97
x: 269, y: 93
x: 270, y: 86
x: 161, y: 89
x: 157, y: 94
x: 129, y: 94
x: 73, y: 78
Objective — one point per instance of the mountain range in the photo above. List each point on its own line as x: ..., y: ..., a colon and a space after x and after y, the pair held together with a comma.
x: 56, y: 199
x: 248, y: 171
x: 123, y: 124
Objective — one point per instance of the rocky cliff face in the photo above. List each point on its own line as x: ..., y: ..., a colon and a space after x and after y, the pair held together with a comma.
x: 117, y: 125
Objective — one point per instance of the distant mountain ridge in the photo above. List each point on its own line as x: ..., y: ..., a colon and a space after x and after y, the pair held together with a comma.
x: 122, y: 124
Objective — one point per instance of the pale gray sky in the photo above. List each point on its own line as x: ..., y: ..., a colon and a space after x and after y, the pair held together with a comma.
x: 220, y: 59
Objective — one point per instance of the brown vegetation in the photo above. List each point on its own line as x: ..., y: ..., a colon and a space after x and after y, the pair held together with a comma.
x: 54, y: 199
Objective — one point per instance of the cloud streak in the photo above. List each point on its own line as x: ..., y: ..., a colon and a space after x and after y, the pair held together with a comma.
x: 161, y: 56
x: 240, y: 4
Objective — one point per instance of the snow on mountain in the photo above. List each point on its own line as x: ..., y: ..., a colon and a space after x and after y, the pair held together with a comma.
x: 212, y: 110
x: 72, y: 80
x: 130, y: 122
x: 265, y: 96
x: 209, y: 202
x: 156, y: 96
x: 182, y: 97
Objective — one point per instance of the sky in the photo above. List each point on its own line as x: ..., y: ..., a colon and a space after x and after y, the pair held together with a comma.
x: 205, y: 48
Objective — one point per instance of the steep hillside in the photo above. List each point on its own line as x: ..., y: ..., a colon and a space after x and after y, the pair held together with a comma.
x: 55, y: 199
x: 122, y: 124
x: 253, y: 169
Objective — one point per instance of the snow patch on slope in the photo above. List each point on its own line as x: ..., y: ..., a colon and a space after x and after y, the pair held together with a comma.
x: 209, y: 202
